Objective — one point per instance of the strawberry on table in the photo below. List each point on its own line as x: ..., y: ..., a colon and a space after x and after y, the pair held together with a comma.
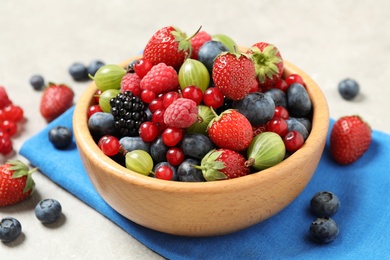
x: 16, y: 183
x: 55, y: 100
x: 233, y: 74
x: 350, y: 138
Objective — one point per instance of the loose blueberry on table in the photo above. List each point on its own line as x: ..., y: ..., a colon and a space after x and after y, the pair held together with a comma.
x: 10, y: 229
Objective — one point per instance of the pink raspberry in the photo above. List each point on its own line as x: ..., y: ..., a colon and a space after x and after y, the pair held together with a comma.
x: 131, y: 82
x: 161, y: 78
x: 182, y: 113
x: 197, y: 41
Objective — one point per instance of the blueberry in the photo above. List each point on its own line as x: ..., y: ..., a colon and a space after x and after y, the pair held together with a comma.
x: 131, y: 143
x: 10, y: 229
x: 37, y: 82
x: 324, y: 204
x: 48, y: 210
x: 196, y: 145
x: 348, y: 88
x: 101, y: 123
x: 305, y: 121
x: 175, y: 176
x: 295, y: 124
x: 158, y: 150
x: 94, y: 66
x: 60, y: 136
x: 298, y: 101
x: 188, y: 173
x: 209, y: 51
x: 323, y: 230
x: 257, y: 107
x: 278, y: 96
x: 78, y: 71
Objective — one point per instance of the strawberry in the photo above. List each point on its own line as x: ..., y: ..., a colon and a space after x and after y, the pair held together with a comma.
x: 231, y: 130
x: 223, y: 164
x: 55, y: 100
x: 168, y: 45
x: 268, y: 63
x: 349, y: 139
x: 197, y: 41
x: 161, y: 78
x: 16, y: 183
x: 233, y: 74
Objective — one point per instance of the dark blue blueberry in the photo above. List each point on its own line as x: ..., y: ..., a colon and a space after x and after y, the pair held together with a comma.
x: 48, y: 210
x: 175, y: 176
x: 348, y: 88
x: 278, y: 96
x: 323, y: 230
x: 101, y: 123
x: 257, y: 107
x: 209, y: 51
x: 298, y: 101
x: 60, y: 136
x: 196, y: 145
x: 295, y: 124
x: 188, y: 173
x: 305, y: 121
x: 158, y: 150
x: 131, y: 143
x: 78, y: 71
x: 324, y: 204
x: 10, y: 229
x: 37, y: 82
x: 94, y: 66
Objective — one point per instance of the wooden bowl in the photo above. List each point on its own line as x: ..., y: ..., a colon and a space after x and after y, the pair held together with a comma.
x: 205, y: 208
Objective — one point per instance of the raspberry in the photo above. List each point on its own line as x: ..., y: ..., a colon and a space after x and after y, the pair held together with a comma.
x: 4, y: 100
x: 131, y: 82
x: 182, y: 113
x: 161, y: 78
x: 197, y: 41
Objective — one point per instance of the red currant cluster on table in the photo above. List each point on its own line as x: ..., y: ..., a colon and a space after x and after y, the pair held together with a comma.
x: 199, y: 109
x: 10, y: 116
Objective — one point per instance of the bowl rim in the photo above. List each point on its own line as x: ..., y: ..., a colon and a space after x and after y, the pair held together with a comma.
x: 84, y: 140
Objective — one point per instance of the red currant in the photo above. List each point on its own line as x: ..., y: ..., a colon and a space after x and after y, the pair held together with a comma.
x: 9, y: 127
x: 148, y: 131
x: 172, y: 136
x: 109, y: 145
x: 13, y: 113
x: 213, y: 97
x: 93, y: 109
x: 156, y: 104
x: 277, y: 125
x: 194, y: 93
x: 158, y: 119
x: 175, y: 156
x: 96, y: 96
x: 281, y: 112
x: 142, y: 67
x: 293, y: 140
x: 164, y: 172
x: 147, y: 96
x: 170, y: 97
x: 294, y: 78
x: 282, y: 85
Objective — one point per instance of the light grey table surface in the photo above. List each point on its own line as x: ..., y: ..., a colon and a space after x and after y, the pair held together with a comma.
x: 330, y: 40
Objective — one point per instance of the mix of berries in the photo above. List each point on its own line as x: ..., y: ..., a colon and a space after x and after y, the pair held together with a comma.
x: 199, y: 92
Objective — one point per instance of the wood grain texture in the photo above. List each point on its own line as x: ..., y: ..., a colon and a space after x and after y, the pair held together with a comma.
x: 203, y: 209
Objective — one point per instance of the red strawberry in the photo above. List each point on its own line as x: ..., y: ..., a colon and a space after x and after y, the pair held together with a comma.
x: 223, y: 164
x: 56, y: 99
x: 161, y: 78
x: 168, y: 45
x: 4, y: 100
x: 350, y: 138
x: 197, y: 41
x: 16, y: 183
x: 231, y: 130
x: 131, y: 82
x: 268, y: 63
x: 233, y: 74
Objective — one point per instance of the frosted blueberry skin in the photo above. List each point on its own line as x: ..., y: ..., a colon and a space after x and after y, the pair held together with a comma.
x: 101, y: 123
x: 10, y: 229
x: 158, y: 150
x: 278, y: 96
x: 323, y: 230
x: 60, y: 136
x: 94, y: 66
x: 295, y: 124
x: 78, y: 71
x: 324, y: 204
x: 298, y: 101
x: 209, y: 51
x: 131, y: 143
x: 348, y: 89
x: 196, y: 145
x: 37, y: 82
x: 48, y: 210
x: 188, y: 173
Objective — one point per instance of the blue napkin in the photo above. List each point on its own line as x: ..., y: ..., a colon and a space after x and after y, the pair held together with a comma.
x: 363, y: 188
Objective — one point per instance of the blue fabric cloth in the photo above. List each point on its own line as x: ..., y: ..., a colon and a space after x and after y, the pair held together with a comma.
x: 363, y: 188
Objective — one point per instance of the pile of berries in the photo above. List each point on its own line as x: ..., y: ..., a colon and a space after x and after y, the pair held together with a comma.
x: 209, y: 111
x: 10, y: 116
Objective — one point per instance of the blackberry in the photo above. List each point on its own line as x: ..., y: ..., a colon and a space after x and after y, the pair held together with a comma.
x: 129, y: 113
